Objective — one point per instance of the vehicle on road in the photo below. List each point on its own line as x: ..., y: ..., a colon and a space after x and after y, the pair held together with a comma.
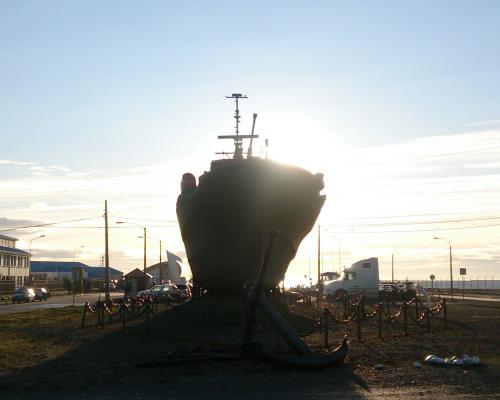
x: 161, y: 292
x: 23, y: 294
x: 362, y: 276
x: 41, y: 294
x: 184, y: 290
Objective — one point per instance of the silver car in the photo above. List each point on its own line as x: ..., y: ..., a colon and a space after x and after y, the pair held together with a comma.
x: 23, y: 294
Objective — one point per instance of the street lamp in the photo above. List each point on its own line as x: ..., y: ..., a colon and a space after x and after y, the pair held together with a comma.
x: 29, y: 260
x: 151, y: 237
x: 451, y: 266
x: 38, y: 237
x: 74, y: 252
x: 144, y: 236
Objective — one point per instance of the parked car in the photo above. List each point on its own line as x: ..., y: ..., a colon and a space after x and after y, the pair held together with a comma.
x: 184, y: 291
x: 41, y: 294
x: 23, y: 294
x: 160, y: 292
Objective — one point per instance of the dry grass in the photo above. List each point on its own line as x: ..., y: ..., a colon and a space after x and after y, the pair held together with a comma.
x: 47, y: 352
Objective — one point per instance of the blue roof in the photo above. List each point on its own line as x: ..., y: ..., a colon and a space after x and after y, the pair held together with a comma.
x: 67, y: 266
x: 13, y: 250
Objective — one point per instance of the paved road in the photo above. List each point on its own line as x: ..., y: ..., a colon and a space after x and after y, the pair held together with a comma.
x: 54, y: 302
x: 471, y: 297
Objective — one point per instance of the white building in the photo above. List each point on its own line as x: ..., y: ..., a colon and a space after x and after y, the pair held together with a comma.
x: 170, y: 270
x: 14, y: 263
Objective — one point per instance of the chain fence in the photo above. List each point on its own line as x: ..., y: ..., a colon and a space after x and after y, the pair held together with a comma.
x: 355, y: 311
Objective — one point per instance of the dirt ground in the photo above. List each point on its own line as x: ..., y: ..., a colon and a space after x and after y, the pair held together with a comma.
x: 192, y: 353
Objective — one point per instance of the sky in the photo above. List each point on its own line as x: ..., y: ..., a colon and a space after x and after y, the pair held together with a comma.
x: 397, y: 103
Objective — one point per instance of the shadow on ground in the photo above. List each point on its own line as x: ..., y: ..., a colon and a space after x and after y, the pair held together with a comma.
x: 170, y: 362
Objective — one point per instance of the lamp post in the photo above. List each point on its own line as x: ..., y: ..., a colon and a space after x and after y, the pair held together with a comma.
x: 29, y: 262
x: 151, y: 237
x: 74, y: 252
x: 144, y: 236
x: 38, y: 237
x: 451, y: 265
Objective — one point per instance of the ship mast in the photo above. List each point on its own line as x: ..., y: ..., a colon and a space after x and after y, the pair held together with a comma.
x: 238, y: 139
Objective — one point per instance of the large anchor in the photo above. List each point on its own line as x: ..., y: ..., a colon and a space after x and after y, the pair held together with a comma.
x: 302, y: 355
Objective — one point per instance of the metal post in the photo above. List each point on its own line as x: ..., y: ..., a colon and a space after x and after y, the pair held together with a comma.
x: 84, y: 314
x: 359, y: 318
x: 392, y: 267
x: 416, y: 310
x: 451, y: 265
x: 144, y: 252
x: 451, y: 274
x: 405, y: 318
x: 327, y: 328
x: 124, y: 316
x: 319, y: 264
x: 379, y: 311
x: 445, y: 314
x: 148, y: 310
x: 106, y: 250
x: 428, y: 312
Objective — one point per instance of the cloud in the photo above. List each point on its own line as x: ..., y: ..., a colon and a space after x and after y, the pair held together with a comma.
x: 38, y: 205
x: 7, y: 223
x: 39, y: 170
x: 485, y: 123
x: 436, y: 174
x: 16, y: 163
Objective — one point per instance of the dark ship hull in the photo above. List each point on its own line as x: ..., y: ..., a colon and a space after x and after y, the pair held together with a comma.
x: 225, y: 221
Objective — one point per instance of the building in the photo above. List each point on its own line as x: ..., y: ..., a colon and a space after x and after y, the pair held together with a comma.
x: 14, y: 263
x: 170, y: 270
x: 55, y: 270
x: 66, y: 271
x: 135, y: 281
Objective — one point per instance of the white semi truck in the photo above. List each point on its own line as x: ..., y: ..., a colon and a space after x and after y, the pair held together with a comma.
x: 362, y: 276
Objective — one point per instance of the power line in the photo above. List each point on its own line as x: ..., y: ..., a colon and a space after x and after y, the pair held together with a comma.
x: 424, y: 230
x: 110, y: 227
x: 426, y: 222
x: 46, y: 224
x: 420, y: 215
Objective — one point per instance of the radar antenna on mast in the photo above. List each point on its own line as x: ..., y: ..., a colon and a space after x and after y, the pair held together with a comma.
x: 238, y: 139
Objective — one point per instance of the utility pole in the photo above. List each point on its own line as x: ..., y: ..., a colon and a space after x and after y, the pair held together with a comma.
x: 144, y: 250
x: 106, y: 249
x: 319, y: 263
x: 392, y: 266
x: 340, y: 259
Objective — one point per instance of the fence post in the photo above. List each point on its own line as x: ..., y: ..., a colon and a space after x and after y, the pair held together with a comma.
x: 148, y: 309
x: 380, y: 311
x: 326, y: 327
x: 445, y: 314
x: 344, y: 301
x: 405, y: 317
x: 102, y: 314
x: 428, y: 312
x: 123, y: 315
x: 84, y: 314
x: 110, y: 319
x: 416, y: 310
x: 358, y: 319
